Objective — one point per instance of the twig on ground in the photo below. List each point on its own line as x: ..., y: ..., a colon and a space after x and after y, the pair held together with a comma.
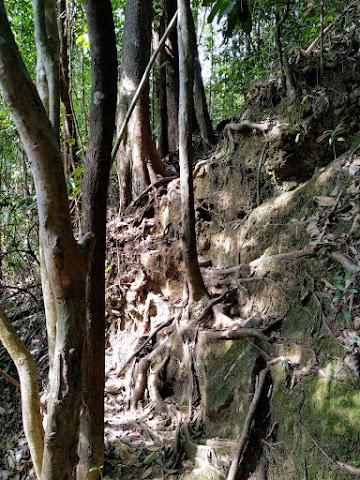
x: 247, y: 426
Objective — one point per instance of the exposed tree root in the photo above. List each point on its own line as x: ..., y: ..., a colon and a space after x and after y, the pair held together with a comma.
x: 243, y: 125
x: 344, y: 467
x: 232, y: 475
x: 140, y: 348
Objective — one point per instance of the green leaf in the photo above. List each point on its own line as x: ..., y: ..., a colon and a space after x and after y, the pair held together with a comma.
x: 149, y: 458
x: 352, y: 290
x: 347, y: 316
x: 147, y: 472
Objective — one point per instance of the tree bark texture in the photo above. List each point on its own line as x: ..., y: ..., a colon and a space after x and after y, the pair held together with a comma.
x: 94, y: 202
x: 30, y: 399
x: 172, y: 78
x: 47, y: 50
x: 70, y: 144
x: 65, y: 260
x: 138, y: 161
x: 160, y: 85
x: 201, y: 108
x: 186, y: 48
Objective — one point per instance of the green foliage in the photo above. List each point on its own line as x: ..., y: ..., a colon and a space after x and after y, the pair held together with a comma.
x: 343, y: 288
x: 237, y: 13
x: 97, y: 469
x: 332, y: 135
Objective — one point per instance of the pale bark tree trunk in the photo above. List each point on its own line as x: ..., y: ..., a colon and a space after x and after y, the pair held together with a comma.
x: 94, y: 202
x: 66, y: 261
x: 195, y: 281
x: 47, y: 64
x: 47, y: 79
x: 138, y: 161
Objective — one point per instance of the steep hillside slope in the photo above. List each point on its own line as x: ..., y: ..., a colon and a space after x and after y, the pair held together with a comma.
x: 269, y: 370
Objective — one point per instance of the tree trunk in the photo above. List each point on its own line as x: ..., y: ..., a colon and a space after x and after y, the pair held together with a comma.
x: 70, y: 144
x: 47, y: 49
x: 172, y: 78
x: 65, y: 260
x: 186, y: 48
x: 161, y: 110
x: 137, y: 156
x: 97, y: 169
x: 201, y: 109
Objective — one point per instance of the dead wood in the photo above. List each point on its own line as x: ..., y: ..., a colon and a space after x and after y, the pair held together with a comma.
x: 344, y: 261
x: 232, y: 475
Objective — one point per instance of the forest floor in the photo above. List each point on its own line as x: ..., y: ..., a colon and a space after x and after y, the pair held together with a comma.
x: 278, y: 226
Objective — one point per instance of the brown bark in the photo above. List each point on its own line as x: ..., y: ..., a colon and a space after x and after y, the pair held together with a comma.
x: 195, y: 282
x: 137, y: 160
x: 161, y: 111
x: 97, y: 169
x: 172, y: 78
x: 201, y: 109
x: 70, y: 144
x: 65, y: 261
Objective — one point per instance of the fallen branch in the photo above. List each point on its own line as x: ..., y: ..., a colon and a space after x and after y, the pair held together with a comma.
x: 344, y: 261
x: 234, y: 467
x: 161, y: 181
x: 9, y: 379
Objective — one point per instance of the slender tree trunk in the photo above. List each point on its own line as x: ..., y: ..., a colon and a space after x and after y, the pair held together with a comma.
x: 65, y: 260
x: 186, y: 48
x: 201, y: 109
x: 70, y: 143
x: 97, y: 169
x: 137, y: 156
x: 47, y: 78
x: 161, y: 113
x: 47, y: 49
x: 172, y: 78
